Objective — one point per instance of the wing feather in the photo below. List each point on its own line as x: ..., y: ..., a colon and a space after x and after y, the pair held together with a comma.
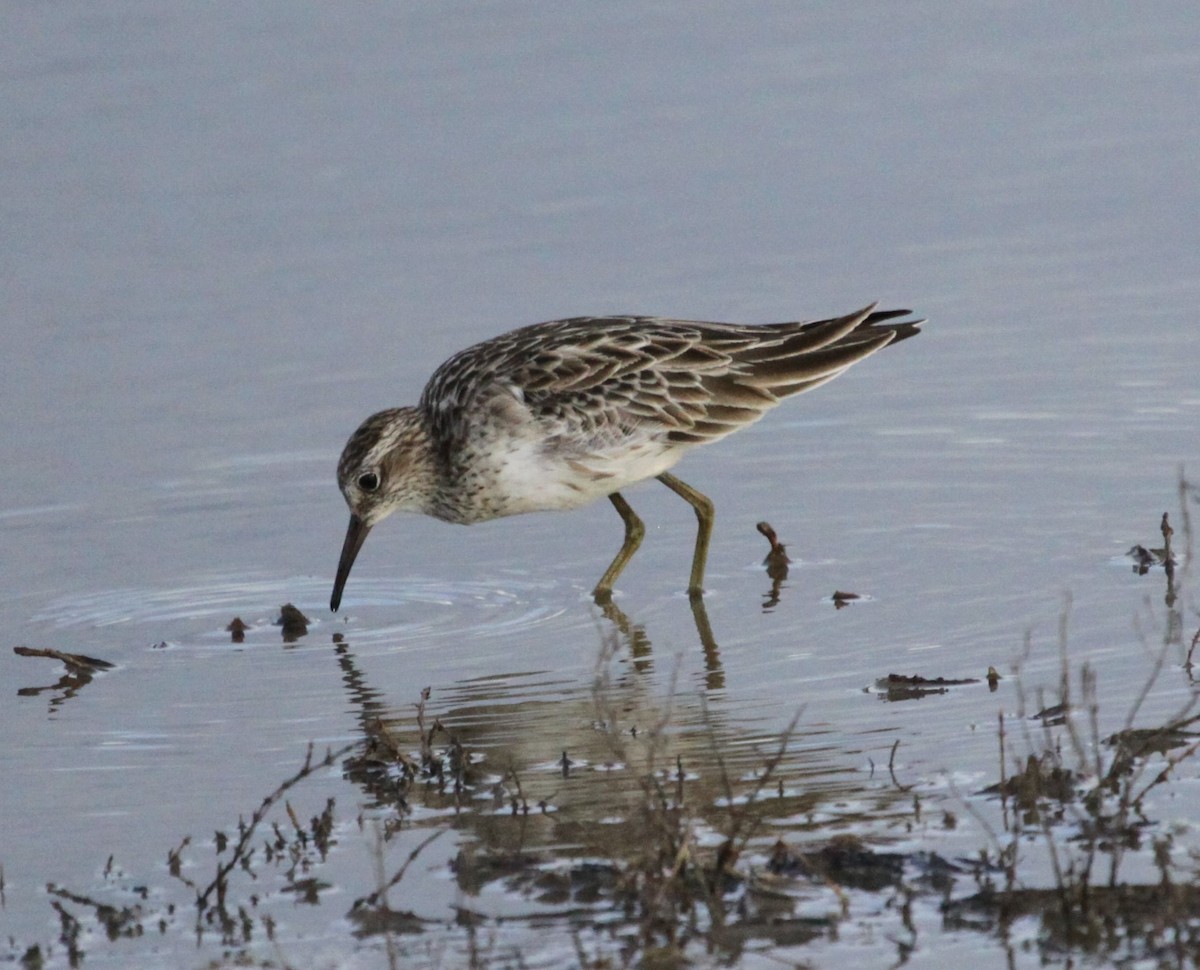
x: 599, y: 380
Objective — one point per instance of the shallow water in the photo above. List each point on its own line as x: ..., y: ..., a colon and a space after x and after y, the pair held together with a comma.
x: 233, y: 232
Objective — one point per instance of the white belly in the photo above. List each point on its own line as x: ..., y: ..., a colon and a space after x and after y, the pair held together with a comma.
x: 532, y: 481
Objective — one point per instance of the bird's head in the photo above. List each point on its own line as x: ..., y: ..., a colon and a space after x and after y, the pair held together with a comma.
x: 385, y: 467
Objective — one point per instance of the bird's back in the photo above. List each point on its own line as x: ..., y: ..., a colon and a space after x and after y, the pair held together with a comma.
x: 606, y: 379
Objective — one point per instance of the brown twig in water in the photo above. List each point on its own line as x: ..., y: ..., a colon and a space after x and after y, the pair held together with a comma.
x: 778, y: 553
x: 892, y: 767
x: 374, y: 898
x: 74, y: 661
x: 1192, y: 649
x: 247, y: 831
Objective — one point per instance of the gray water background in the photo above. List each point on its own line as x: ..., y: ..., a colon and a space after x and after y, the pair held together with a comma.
x: 232, y: 231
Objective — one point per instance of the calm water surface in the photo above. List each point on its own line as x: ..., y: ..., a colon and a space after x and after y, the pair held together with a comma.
x: 231, y: 233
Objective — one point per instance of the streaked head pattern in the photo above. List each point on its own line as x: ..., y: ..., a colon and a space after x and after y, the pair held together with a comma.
x: 385, y: 467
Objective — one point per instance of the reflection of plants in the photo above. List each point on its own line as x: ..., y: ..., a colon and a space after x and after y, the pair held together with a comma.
x: 660, y: 878
x: 675, y: 885
x: 674, y: 866
x: 117, y: 921
x: 385, y: 767
x: 1085, y: 798
x: 293, y: 849
x: 294, y: 854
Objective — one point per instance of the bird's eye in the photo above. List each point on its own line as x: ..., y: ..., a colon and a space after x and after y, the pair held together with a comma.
x: 368, y: 481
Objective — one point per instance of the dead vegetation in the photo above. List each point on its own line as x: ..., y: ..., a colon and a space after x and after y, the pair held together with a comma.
x: 705, y: 846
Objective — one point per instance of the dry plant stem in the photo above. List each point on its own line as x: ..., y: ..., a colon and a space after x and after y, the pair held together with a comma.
x: 1182, y: 718
x: 175, y: 862
x: 1087, y: 689
x: 377, y: 858
x: 726, y: 785
x: 892, y: 767
x: 1127, y: 768
x: 1071, y: 883
x: 219, y: 882
x: 1088, y: 677
x: 1172, y: 762
x: 1186, y: 537
x: 675, y: 883
x: 425, y: 736
x: 1077, y: 743
x: 1080, y: 880
x: 1185, y: 518
x: 1022, y: 705
x: 743, y: 824
x: 1003, y: 853
x: 380, y: 894
x: 1055, y: 863
x: 769, y: 769
x: 1003, y: 775
x: 1023, y: 716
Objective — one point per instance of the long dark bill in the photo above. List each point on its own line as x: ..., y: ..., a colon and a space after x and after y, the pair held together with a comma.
x: 356, y: 535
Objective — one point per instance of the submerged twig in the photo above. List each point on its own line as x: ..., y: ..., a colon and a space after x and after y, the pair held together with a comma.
x: 218, y: 883
x: 81, y: 663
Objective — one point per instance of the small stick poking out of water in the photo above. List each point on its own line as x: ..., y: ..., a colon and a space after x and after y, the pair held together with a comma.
x: 777, y: 559
x: 776, y: 562
x: 294, y: 623
x: 75, y: 662
x: 1144, y: 558
x: 842, y: 599
x: 778, y: 550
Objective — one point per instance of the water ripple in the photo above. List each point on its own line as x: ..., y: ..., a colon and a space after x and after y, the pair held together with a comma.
x: 378, y: 610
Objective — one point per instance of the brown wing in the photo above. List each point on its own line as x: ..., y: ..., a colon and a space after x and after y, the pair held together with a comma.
x: 601, y: 380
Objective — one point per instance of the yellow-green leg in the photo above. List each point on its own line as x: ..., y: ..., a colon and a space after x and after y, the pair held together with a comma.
x: 705, y: 513
x: 634, y: 531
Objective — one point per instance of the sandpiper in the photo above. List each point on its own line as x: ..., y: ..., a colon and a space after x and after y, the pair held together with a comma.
x: 556, y: 415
